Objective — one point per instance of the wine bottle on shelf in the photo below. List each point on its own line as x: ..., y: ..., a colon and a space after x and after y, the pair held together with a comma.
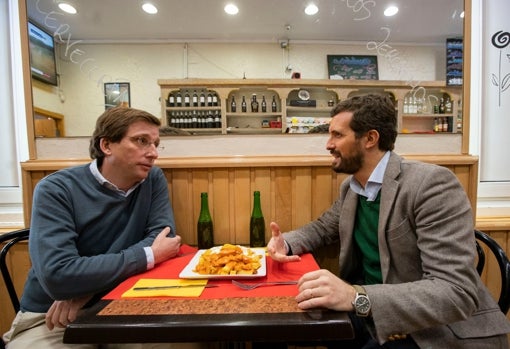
x: 441, y: 106
x: 406, y: 106
x: 243, y: 105
x: 172, y: 119
x: 194, y: 120
x: 273, y: 105
x: 186, y: 99
x: 448, y: 106
x: 209, y: 99
x: 233, y: 106
x: 205, y: 232
x: 194, y: 99
x: 171, y: 100
x: 209, y: 120
x: 178, y: 99
x: 263, y: 104
x: 257, y: 223
x: 254, y: 104
x: 214, y: 99
x: 217, y: 119
x: 202, y: 99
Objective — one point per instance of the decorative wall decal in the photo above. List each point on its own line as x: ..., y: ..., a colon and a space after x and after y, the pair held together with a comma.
x: 501, y: 40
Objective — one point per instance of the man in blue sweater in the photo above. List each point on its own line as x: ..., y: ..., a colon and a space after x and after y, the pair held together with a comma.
x: 93, y: 226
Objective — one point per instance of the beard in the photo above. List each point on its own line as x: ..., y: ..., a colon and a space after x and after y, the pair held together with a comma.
x: 348, y: 164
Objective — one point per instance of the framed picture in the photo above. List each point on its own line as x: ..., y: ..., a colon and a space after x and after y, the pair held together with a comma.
x: 116, y: 94
x: 352, y: 67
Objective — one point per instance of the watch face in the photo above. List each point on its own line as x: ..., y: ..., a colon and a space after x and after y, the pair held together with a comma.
x: 362, y: 304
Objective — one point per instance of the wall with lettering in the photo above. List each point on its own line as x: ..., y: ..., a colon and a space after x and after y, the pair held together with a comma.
x: 80, y: 95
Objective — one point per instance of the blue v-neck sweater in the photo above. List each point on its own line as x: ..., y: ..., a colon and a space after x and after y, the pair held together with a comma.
x: 85, y: 238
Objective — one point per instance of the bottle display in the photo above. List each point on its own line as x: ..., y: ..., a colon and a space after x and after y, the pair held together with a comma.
x: 186, y: 99
x: 202, y: 99
x: 205, y: 234
x: 171, y: 100
x: 194, y: 99
x: 178, y: 99
x: 243, y: 105
x: 254, y: 104
x: 233, y: 106
x: 273, y: 105
x: 257, y: 223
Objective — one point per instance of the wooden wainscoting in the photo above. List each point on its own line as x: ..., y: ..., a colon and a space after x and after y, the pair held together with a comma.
x: 294, y: 189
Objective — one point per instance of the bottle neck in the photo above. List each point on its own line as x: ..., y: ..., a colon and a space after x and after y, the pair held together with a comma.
x: 204, y: 209
x: 257, y: 210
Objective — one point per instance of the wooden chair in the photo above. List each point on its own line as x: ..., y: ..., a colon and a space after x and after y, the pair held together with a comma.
x: 503, y: 262
x: 9, y: 240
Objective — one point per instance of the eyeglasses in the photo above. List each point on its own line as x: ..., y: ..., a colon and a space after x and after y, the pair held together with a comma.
x: 144, y: 143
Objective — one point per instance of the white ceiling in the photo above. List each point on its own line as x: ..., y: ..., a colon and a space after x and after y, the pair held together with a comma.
x: 418, y: 21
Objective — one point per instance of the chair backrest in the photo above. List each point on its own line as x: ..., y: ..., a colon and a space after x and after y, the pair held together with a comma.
x: 10, y: 239
x: 504, y: 266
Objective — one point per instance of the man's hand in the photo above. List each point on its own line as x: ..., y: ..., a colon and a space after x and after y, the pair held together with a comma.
x: 322, y: 289
x: 165, y: 247
x: 61, y: 313
x: 276, y: 246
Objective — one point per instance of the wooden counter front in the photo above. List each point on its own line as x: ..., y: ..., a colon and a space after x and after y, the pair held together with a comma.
x: 294, y: 189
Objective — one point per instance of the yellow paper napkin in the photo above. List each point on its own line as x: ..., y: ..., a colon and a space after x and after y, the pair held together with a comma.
x: 169, y: 292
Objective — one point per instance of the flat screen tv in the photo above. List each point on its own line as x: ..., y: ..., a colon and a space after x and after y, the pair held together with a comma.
x: 42, y: 54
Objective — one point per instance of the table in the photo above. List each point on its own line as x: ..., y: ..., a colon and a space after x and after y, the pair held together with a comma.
x: 222, y: 313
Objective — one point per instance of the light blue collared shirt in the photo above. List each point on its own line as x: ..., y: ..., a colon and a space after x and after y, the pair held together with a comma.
x: 374, y: 182
x: 106, y: 183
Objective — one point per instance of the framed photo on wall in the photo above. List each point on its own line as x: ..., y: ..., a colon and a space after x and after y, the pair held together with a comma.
x: 352, y: 67
x: 116, y: 94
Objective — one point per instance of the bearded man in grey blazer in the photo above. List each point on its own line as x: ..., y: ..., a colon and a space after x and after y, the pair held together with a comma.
x: 407, y: 247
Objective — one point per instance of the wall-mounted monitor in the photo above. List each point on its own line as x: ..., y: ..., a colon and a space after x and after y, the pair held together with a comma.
x: 42, y: 54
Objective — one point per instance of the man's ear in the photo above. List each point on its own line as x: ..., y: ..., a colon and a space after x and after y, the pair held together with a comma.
x: 372, y: 139
x: 104, y: 144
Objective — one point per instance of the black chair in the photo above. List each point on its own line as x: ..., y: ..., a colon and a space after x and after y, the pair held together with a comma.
x: 10, y: 239
x: 504, y: 266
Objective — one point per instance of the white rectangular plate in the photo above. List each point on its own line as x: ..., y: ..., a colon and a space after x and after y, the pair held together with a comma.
x: 188, y: 273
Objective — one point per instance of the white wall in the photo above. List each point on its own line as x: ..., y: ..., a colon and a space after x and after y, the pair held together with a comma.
x: 80, y: 97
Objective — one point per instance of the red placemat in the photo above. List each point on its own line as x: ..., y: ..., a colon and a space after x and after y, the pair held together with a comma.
x: 275, y: 272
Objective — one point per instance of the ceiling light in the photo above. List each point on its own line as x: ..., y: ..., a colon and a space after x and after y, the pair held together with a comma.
x: 231, y: 9
x: 311, y: 9
x: 64, y: 6
x: 149, y: 8
x: 391, y: 11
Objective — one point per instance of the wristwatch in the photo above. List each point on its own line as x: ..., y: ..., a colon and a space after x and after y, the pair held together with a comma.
x: 361, y: 303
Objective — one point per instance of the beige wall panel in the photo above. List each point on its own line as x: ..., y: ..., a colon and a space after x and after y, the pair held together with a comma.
x: 283, y: 198
x: 243, y: 197
x: 322, y: 190
x: 302, y: 196
x: 220, y: 202
x: 181, y: 201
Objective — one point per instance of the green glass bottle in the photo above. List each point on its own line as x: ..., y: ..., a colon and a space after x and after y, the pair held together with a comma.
x: 205, y: 233
x: 257, y: 224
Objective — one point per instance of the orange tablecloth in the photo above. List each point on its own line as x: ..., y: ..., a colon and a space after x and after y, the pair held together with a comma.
x: 275, y: 272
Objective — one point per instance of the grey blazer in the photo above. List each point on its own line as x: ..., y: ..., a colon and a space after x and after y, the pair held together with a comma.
x: 430, y: 289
